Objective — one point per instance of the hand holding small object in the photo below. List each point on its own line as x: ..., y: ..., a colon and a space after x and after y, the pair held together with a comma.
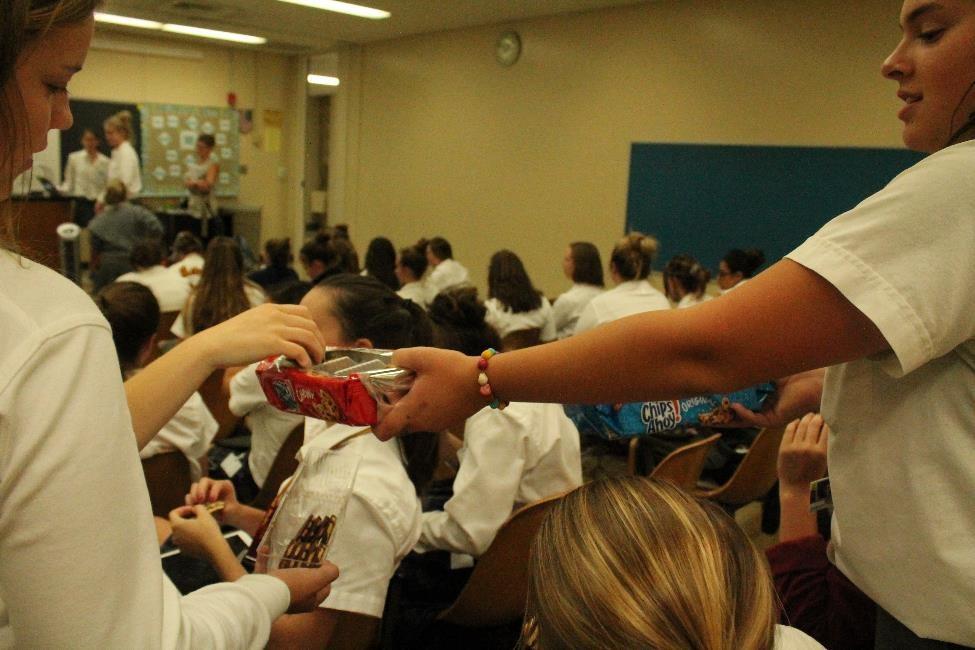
x: 195, y: 531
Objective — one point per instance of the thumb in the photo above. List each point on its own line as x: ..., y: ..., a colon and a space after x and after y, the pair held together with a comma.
x: 395, y: 420
x: 409, y: 358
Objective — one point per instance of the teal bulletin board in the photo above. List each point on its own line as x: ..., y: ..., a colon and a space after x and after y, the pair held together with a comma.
x: 169, y: 133
x: 707, y: 199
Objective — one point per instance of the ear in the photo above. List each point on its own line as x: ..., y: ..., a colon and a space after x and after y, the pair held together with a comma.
x: 363, y: 343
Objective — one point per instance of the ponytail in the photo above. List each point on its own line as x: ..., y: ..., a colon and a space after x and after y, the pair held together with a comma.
x: 633, y: 256
x: 688, y: 273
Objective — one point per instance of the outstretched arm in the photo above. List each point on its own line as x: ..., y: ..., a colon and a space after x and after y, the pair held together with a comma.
x: 161, y: 388
x: 785, y: 321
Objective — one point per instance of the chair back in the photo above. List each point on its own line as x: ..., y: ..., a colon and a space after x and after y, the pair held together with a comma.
x: 216, y: 395
x: 756, y: 474
x: 284, y: 465
x: 497, y: 589
x: 521, y: 339
x: 683, y: 466
x: 168, y: 479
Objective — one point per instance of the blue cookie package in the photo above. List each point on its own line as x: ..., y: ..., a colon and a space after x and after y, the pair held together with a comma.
x: 635, y: 419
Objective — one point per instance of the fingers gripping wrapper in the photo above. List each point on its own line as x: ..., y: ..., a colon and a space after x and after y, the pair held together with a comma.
x: 649, y: 418
x: 352, y: 386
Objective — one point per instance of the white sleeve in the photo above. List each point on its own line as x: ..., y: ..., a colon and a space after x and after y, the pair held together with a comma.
x: 903, y: 257
x: 246, y: 393
x: 548, y: 328
x: 79, y: 563
x: 492, y: 463
x: 561, y: 314
x: 190, y: 431
x: 129, y: 172
x: 587, y: 319
x: 67, y: 185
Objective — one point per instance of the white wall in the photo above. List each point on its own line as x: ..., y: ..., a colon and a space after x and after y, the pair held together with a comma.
x: 432, y: 137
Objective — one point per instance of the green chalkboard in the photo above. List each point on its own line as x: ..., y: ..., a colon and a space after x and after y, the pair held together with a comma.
x: 707, y: 199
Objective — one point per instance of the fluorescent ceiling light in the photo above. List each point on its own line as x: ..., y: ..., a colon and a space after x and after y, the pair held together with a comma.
x: 179, y: 29
x: 343, y: 8
x: 214, y: 33
x: 323, y: 80
x: 128, y: 22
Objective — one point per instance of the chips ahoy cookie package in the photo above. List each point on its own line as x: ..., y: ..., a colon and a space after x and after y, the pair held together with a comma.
x: 634, y: 419
x: 349, y: 387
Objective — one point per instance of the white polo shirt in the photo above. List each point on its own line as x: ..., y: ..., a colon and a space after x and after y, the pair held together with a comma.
x: 625, y: 299
x: 902, y: 449
x: 504, y: 321
x: 170, y: 291
x: 568, y: 307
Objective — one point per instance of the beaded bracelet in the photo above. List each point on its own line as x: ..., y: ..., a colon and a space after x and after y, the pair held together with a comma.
x: 484, y: 382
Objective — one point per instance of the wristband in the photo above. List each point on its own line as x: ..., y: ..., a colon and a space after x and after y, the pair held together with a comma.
x: 485, y: 384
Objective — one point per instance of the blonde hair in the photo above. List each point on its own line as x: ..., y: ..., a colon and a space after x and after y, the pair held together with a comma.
x: 637, y: 563
x: 633, y: 256
x: 121, y: 122
x: 115, y: 192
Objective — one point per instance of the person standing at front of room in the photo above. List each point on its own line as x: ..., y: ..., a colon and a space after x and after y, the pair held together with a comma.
x: 865, y: 296
x: 200, y: 182
x: 124, y: 164
x: 85, y: 177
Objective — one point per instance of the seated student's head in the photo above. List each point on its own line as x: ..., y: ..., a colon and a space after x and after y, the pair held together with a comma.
x: 184, y: 244
x: 289, y: 293
x: 277, y: 253
x: 582, y: 264
x: 739, y: 265
x: 133, y: 313
x: 684, y: 275
x: 320, y: 257
x: 632, y: 257
x: 437, y: 250
x: 115, y: 192
x: 458, y: 322
x: 638, y: 563
x: 411, y: 264
x: 381, y: 262
x: 146, y: 254
x: 361, y: 312
x: 508, y: 282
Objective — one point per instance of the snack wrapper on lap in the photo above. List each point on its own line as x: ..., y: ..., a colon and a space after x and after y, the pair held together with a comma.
x: 351, y: 386
x: 633, y: 419
x: 300, y: 525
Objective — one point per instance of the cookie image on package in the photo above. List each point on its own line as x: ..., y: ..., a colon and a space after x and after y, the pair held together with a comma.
x: 719, y: 415
x: 326, y: 407
x: 307, y: 549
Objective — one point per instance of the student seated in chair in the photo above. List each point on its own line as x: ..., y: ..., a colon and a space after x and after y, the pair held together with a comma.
x: 382, y: 519
x: 133, y: 312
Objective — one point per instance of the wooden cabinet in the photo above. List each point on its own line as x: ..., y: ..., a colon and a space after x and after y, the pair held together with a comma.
x: 35, y: 227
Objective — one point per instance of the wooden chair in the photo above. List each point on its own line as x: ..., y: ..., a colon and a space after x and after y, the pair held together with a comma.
x: 216, y: 395
x: 755, y: 476
x: 682, y: 467
x: 521, y: 339
x: 168, y: 479
x: 496, y: 592
x: 284, y: 465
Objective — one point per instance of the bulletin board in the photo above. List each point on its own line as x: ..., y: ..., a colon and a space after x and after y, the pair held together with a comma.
x: 169, y: 133
x: 707, y: 199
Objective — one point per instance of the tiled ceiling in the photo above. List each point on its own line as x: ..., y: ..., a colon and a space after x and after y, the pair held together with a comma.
x: 294, y: 28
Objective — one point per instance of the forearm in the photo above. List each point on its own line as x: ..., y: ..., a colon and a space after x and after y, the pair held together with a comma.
x: 246, y: 518
x: 796, y: 520
x: 785, y: 321
x: 157, y: 392
x: 223, y: 560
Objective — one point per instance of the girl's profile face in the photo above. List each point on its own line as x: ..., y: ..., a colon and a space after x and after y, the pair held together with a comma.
x: 41, y: 77
x: 568, y: 264
x: 934, y: 66
x: 113, y: 137
x: 727, y: 279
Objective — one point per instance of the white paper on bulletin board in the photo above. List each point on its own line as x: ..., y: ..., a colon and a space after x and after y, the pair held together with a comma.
x: 169, y: 133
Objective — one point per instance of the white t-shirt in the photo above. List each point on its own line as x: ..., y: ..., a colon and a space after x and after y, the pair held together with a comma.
x: 509, y: 458
x: 569, y: 306
x: 902, y: 449
x: 85, y: 177
x: 190, y: 431
x: 504, y: 321
x: 447, y: 274
x: 79, y: 561
x: 170, y: 290
x: 189, y: 269
x: 124, y: 166
x: 182, y: 326
x: 269, y: 427
x: 381, y: 522
x: 415, y: 291
x: 625, y: 299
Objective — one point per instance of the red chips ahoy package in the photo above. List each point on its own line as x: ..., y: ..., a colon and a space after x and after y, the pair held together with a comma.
x: 350, y: 386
